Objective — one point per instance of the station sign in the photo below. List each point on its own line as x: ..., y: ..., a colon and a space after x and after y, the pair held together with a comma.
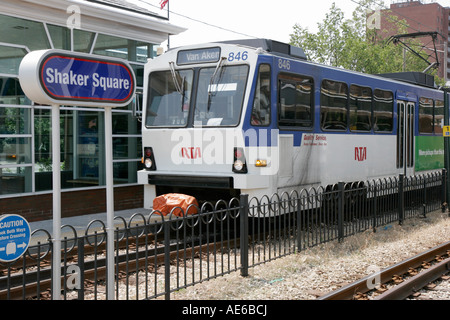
x: 14, y: 237
x: 68, y: 78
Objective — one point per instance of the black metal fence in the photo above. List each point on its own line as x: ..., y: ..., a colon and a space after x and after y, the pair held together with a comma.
x: 157, y: 255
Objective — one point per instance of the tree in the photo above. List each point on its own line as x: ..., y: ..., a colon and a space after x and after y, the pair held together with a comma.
x: 347, y: 43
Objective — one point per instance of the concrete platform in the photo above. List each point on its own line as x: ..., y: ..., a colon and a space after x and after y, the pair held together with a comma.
x: 81, y: 223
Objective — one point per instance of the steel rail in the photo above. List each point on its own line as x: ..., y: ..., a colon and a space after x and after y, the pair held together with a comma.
x: 17, y: 289
x: 361, y: 286
x: 414, y: 284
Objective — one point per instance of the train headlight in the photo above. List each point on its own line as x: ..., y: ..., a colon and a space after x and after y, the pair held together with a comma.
x: 239, y: 163
x: 149, y: 159
x: 148, y: 163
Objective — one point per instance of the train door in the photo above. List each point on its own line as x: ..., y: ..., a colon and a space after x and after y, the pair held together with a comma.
x: 405, y: 137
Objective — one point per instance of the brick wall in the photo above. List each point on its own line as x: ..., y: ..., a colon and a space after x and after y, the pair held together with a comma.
x: 74, y: 203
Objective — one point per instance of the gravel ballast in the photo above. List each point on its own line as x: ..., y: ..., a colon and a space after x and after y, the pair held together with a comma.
x: 327, y: 267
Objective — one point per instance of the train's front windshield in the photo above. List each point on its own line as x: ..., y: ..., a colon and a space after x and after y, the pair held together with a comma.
x: 219, y: 94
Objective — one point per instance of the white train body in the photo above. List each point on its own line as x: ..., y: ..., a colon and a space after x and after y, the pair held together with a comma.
x: 222, y: 119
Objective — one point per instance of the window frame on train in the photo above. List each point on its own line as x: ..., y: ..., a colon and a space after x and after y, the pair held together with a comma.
x: 375, y: 104
x: 332, y: 108
x: 357, y: 106
x: 434, y: 127
x: 295, y: 80
x: 259, y: 116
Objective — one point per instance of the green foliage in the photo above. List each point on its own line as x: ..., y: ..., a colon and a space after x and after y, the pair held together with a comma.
x: 348, y: 44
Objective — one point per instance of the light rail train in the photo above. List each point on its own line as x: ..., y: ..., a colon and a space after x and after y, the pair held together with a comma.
x: 255, y: 117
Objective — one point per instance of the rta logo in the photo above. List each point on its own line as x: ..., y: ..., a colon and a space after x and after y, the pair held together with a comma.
x: 360, y: 154
x: 191, y: 153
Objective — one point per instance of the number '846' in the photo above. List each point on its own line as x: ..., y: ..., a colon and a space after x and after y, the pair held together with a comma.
x: 284, y: 64
x: 238, y: 56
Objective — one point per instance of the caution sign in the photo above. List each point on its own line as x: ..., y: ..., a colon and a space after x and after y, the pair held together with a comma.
x: 446, y: 131
x: 14, y: 237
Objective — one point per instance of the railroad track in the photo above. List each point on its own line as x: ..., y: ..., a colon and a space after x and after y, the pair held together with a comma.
x: 399, y: 281
x: 16, y: 286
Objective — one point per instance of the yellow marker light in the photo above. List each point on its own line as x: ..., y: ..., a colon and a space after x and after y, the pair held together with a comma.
x: 261, y: 163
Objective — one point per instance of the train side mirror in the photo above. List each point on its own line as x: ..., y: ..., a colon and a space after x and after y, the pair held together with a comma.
x: 136, y: 106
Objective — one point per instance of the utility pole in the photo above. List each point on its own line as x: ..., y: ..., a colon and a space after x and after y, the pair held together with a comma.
x: 446, y: 143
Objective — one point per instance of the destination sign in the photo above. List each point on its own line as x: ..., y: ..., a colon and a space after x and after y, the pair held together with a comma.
x: 206, y: 55
x: 62, y: 77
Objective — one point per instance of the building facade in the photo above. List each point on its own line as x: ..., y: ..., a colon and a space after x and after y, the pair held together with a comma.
x: 110, y: 28
x: 424, y: 16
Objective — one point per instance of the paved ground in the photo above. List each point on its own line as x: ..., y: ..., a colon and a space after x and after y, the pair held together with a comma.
x: 81, y: 223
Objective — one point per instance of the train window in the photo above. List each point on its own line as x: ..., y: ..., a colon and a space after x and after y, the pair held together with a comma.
x: 261, y: 104
x: 383, y: 111
x: 360, y: 108
x: 220, y: 95
x: 425, y: 115
x: 169, y: 98
x: 438, y: 116
x: 295, y: 101
x: 333, y: 110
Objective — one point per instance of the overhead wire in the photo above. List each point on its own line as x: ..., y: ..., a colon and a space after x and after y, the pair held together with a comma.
x: 202, y: 22
x: 383, y: 5
x: 387, y: 16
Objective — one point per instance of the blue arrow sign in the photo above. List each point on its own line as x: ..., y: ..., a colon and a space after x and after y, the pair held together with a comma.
x: 14, y: 237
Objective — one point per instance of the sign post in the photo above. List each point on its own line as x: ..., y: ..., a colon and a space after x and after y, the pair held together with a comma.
x: 446, y: 133
x: 58, y: 77
x: 56, y: 184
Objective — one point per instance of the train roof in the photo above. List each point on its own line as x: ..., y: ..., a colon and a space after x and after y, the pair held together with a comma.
x: 290, y: 51
x: 287, y: 50
x: 418, y: 78
x: 273, y: 46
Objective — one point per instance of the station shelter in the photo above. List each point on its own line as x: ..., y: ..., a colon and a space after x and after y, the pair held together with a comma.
x: 114, y: 28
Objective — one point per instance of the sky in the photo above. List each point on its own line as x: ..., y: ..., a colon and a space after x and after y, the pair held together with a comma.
x: 271, y: 19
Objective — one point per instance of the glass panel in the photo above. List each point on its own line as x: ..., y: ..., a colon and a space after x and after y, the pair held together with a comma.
x: 143, y: 52
x: 333, y: 109
x: 166, y: 106
x: 425, y: 115
x: 82, y: 145
x: 15, y: 180
x: 60, y: 36
x: 15, y: 120
x: 15, y: 150
x: 139, y: 74
x: 383, y: 110
x: 438, y: 117
x: 261, y: 104
x: 219, y: 100
x: 10, y: 59
x: 82, y: 40
x: 23, y: 32
x: 11, y: 92
x: 89, y: 145
x: 111, y: 46
x: 360, y: 108
x: 125, y: 172
x: 125, y: 123
x: 127, y: 148
x: 43, y: 148
x: 130, y: 50
x: 296, y: 101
